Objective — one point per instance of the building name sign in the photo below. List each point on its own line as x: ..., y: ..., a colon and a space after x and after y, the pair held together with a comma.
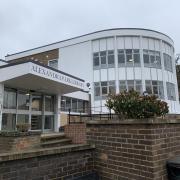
x: 57, y: 76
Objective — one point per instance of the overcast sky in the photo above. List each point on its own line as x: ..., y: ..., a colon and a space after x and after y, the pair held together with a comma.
x: 26, y: 24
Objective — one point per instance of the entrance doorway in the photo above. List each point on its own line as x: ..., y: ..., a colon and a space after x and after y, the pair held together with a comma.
x: 35, y: 108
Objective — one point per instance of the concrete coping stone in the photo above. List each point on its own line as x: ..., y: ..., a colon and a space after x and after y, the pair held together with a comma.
x: 148, y: 121
x: 10, y: 156
x: 19, y: 134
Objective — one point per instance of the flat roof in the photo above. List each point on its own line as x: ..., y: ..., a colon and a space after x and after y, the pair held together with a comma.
x: 87, y: 35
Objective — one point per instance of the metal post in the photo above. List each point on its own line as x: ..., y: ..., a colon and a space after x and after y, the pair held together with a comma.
x: 69, y: 115
x: 80, y: 117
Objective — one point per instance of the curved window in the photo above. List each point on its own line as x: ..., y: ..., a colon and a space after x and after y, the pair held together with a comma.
x: 130, y: 85
x: 129, y: 57
x: 155, y: 87
x: 168, y: 62
x: 171, y: 91
x: 152, y: 58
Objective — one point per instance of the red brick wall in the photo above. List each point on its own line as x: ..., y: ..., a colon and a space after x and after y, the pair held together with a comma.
x: 76, y: 132
x: 133, y: 150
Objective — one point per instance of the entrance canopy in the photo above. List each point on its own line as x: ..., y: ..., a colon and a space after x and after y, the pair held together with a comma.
x: 37, y: 77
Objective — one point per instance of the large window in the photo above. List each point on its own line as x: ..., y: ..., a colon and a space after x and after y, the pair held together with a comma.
x: 23, y: 101
x: 152, y: 58
x: 36, y: 103
x: 75, y: 105
x: 8, y: 121
x: 49, y: 103
x: 155, y: 87
x: 167, y: 62
x: 130, y: 85
x: 129, y: 57
x: 22, y: 118
x: 103, y: 59
x: 9, y: 99
x: 171, y: 91
x: 103, y: 88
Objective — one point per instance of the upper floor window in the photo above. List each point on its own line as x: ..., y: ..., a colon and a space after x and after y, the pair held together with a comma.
x: 152, y: 58
x: 130, y: 85
x: 53, y: 63
x: 129, y: 57
x: 103, y: 88
x: 168, y: 62
x: 103, y: 59
x: 155, y: 87
x: 171, y: 91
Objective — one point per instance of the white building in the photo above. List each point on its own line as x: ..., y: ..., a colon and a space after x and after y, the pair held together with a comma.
x: 111, y: 61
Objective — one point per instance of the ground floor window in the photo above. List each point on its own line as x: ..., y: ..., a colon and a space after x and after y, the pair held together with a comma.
x: 8, y: 122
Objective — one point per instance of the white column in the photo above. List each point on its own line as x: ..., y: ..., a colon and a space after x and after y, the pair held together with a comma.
x: 57, y: 115
x: 1, y: 102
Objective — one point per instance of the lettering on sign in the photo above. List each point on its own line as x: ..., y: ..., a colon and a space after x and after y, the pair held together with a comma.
x: 55, y: 75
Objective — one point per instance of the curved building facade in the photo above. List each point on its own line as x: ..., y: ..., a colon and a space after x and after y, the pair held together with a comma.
x: 115, y: 60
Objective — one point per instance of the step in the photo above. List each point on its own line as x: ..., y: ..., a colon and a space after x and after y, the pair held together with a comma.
x: 54, y: 143
x: 50, y: 137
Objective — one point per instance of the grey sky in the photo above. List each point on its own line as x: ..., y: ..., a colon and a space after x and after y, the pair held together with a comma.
x: 26, y: 24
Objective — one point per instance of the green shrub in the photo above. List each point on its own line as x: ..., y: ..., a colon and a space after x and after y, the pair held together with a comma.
x: 132, y: 105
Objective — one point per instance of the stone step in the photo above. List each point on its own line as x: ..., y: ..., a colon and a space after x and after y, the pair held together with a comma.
x: 53, y: 136
x: 56, y: 143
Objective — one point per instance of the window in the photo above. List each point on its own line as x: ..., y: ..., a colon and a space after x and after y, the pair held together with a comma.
x: 122, y: 86
x: 121, y: 57
x: 23, y: 100
x: 9, y: 99
x: 53, y: 63
x: 102, y: 89
x: 103, y: 59
x: 171, y: 91
x: 110, y: 58
x: 75, y: 105
x: 155, y: 87
x: 49, y: 103
x: 112, y: 87
x: 22, y: 119
x: 96, y: 59
x: 8, y: 121
x: 168, y: 62
x: 129, y: 57
x: 152, y: 58
x: 49, y: 122
x: 36, y: 102
x: 130, y: 85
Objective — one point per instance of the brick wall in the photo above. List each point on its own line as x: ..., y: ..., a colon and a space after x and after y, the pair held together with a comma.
x: 68, y: 163
x: 76, y: 132
x: 134, y: 149
x: 18, y: 142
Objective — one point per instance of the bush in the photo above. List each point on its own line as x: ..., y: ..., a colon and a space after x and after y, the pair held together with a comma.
x: 24, y: 127
x: 133, y: 105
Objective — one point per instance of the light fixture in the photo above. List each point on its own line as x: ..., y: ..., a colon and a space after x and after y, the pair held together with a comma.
x: 131, y: 60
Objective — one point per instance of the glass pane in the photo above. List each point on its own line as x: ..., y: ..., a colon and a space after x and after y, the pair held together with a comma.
x: 49, y: 122
x: 63, y: 103
x: 23, y: 101
x: 103, y: 53
x: 36, y: 122
x: 121, y: 58
x: 9, y: 99
x: 8, y: 122
x: 22, y: 119
x: 136, y: 58
x: 136, y: 50
x: 111, y: 59
x: 49, y: 103
x: 104, y: 91
x: 155, y: 89
x: 80, y: 106
x: 148, y: 89
x: 36, y: 103
x: 103, y: 60
x: 121, y: 51
x: 97, y: 91
x: 68, y: 103
x: 96, y: 61
x: 104, y: 83
x: 146, y: 58
x: 128, y: 51
x: 74, y: 105
x: 95, y: 54
x: 112, y: 90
